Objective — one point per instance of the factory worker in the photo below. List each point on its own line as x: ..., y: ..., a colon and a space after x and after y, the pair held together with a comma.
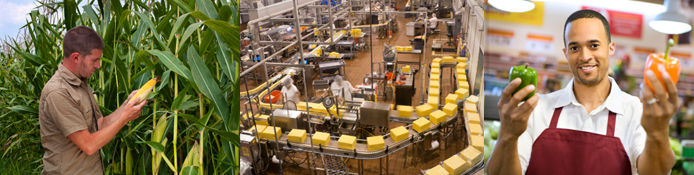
x: 290, y: 92
x: 340, y: 86
x: 591, y: 126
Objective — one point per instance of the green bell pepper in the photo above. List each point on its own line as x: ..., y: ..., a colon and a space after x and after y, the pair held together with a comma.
x: 528, y: 76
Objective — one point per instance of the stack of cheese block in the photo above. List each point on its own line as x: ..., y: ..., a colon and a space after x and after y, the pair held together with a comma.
x: 406, y: 69
x: 347, y: 142
x: 403, y: 48
x: 355, y: 32
x: 318, y: 51
x: 334, y: 55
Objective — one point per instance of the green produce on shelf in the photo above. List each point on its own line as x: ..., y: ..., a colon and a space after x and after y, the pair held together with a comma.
x: 528, y: 76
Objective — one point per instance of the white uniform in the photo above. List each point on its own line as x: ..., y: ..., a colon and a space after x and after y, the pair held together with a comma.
x: 348, y: 88
x: 292, y: 93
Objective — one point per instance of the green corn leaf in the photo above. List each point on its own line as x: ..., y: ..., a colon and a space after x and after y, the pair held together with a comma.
x: 172, y: 63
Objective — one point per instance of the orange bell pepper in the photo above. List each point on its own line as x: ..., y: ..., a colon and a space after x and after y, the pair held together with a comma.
x: 671, y: 65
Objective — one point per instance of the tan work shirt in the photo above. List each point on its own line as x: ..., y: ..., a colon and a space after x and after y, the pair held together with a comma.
x: 67, y: 106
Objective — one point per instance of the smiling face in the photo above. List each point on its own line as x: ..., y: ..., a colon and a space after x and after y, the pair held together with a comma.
x: 588, y: 50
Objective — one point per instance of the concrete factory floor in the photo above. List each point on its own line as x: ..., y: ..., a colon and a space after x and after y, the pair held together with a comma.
x: 356, y: 69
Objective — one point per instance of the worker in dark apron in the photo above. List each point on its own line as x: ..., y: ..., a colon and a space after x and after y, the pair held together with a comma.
x: 590, y: 126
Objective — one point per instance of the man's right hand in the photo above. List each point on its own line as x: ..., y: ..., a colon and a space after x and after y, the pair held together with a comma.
x: 132, y: 110
x: 514, y: 118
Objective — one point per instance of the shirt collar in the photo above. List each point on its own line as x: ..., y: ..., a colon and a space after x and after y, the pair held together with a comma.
x: 612, y: 102
x: 68, y: 75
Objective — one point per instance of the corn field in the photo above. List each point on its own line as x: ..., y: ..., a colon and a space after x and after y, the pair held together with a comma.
x: 191, y: 124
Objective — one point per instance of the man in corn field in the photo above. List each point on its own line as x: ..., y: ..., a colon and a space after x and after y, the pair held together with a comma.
x: 73, y: 129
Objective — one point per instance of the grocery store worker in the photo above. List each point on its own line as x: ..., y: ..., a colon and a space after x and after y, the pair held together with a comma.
x: 290, y: 92
x: 340, y: 86
x: 73, y: 129
x: 591, y: 126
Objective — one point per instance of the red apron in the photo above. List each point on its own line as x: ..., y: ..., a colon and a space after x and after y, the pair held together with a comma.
x: 566, y: 151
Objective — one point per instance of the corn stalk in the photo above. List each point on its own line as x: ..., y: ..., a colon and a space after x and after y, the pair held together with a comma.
x: 143, y: 39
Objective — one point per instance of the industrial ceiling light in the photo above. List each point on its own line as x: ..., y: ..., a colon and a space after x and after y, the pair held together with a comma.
x: 517, y: 6
x: 671, y: 21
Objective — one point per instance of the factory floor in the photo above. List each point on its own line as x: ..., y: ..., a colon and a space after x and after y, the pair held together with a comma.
x: 399, y: 162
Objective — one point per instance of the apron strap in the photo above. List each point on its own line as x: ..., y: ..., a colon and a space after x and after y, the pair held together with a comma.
x: 610, y: 124
x: 555, y: 117
x: 612, y: 117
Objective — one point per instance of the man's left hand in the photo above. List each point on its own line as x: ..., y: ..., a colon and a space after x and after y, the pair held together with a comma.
x: 658, y: 106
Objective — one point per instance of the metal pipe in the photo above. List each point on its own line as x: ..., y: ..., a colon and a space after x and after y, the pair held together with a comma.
x: 272, y: 115
x: 297, y: 30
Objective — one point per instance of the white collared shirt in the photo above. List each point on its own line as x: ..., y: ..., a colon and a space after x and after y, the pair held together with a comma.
x: 573, y: 116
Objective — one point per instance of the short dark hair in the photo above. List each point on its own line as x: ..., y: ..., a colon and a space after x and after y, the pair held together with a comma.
x: 81, y: 39
x: 587, y: 13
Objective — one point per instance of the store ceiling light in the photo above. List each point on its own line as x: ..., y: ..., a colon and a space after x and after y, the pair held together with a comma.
x: 671, y: 21
x: 517, y: 6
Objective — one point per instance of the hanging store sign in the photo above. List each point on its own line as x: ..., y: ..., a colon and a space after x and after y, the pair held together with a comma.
x: 533, y: 17
x: 641, y: 53
x: 622, y: 23
x: 500, y: 37
x: 684, y: 57
x: 539, y: 43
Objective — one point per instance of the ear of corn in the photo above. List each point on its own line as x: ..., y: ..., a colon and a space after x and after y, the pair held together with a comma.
x: 192, y: 158
x: 145, y: 90
x: 157, y: 135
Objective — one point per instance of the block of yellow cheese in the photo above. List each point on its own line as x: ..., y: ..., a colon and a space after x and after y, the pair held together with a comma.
x: 434, y: 83
x: 435, y: 77
x: 436, y: 60
x: 461, y: 66
x: 406, y: 69
x: 424, y: 110
x: 455, y: 165
x: 399, y: 133
x: 472, y: 155
x: 433, y: 101
x: 461, y: 59
x: 297, y: 135
x: 475, y: 129
x: 258, y: 128
x: 435, y: 65
x: 463, y: 84
x: 447, y: 59
x: 270, y: 132
x: 407, y: 48
x: 433, y: 91
x: 375, y: 143
x: 477, y: 142
x: 321, y: 138
x: 421, y: 124
x: 462, y: 77
x: 459, y: 70
x: 405, y: 111
x: 437, y: 170
x: 473, y: 118
x: 462, y: 93
x: 452, y: 98
x: 437, y: 117
x: 470, y: 107
x: 435, y: 71
x: 347, y: 142
x: 262, y: 120
x: 472, y: 99
x: 450, y: 109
